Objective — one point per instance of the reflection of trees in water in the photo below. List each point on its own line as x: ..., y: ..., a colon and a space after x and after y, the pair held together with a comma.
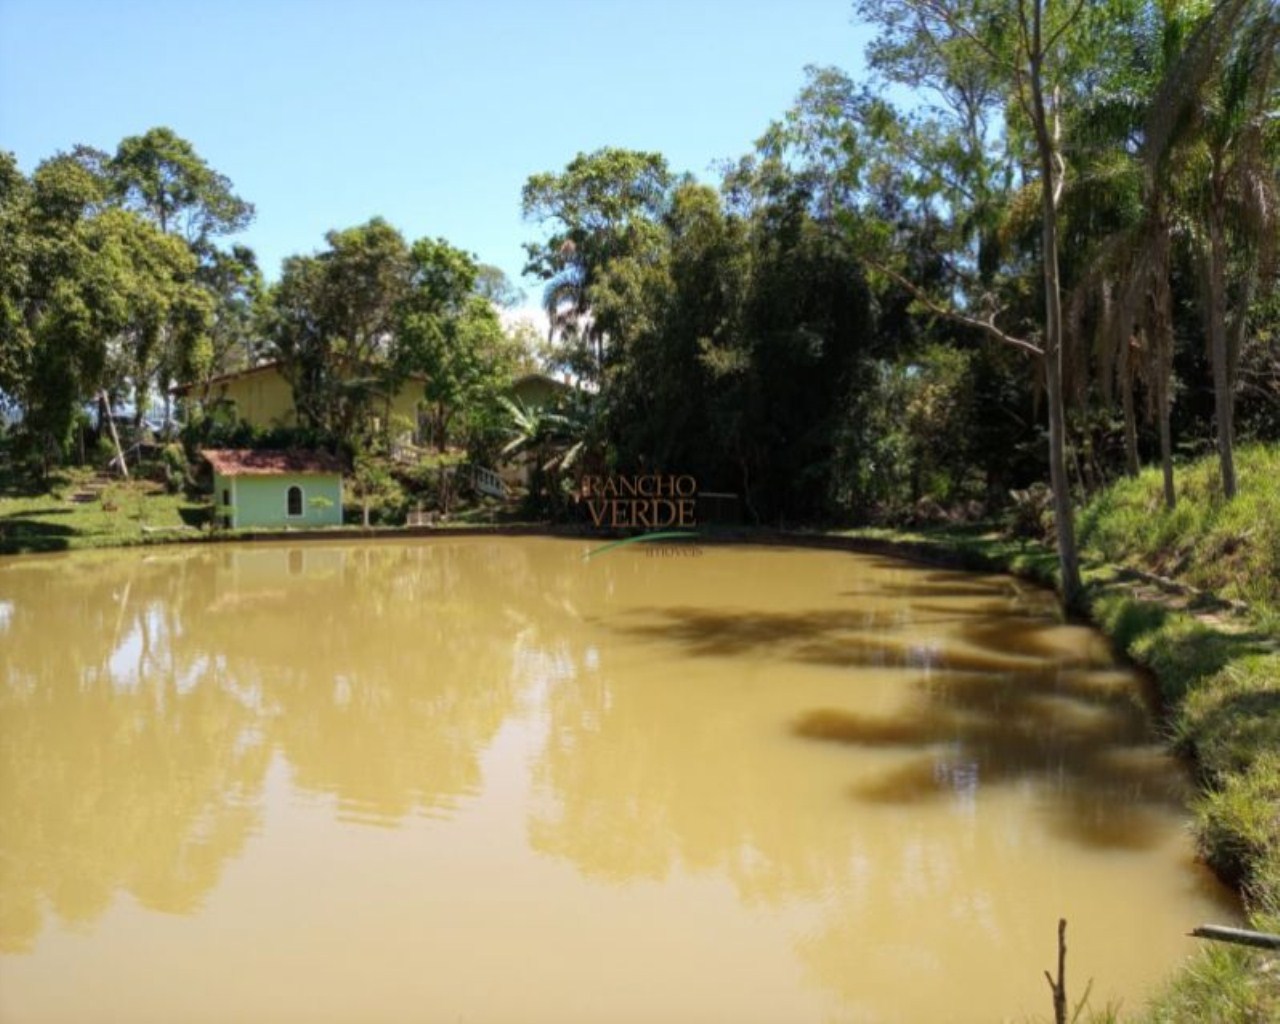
x: 142, y: 698
x: 382, y: 673
x: 124, y: 765
x: 649, y: 773
x: 1001, y: 695
x: 644, y: 774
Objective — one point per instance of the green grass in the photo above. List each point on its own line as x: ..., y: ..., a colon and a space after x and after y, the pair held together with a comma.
x: 122, y: 514
x: 1222, y: 985
x: 1229, y: 548
x: 77, y: 511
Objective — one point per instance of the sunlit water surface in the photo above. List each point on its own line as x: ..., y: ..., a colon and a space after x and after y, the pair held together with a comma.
x: 486, y: 780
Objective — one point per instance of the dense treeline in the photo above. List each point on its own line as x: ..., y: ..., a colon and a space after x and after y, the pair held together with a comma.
x: 1052, y: 262
x: 111, y: 273
x: 114, y: 288
x: 1056, y: 263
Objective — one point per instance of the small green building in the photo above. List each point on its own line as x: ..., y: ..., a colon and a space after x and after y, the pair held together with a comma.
x: 280, y: 488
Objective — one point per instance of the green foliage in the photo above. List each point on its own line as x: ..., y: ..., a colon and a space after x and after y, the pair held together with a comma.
x: 604, y: 207
x: 1236, y: 822
x: 353, y: 324
x: 1222, y: 983
x: 452, y: 337
x: 101, y: 289
x: 1030, y: 516
x: 161, y: 175
x: 221, y: 432
x: 177, y: 472
x: 379, y: 498
x: 553, y: 440
x: 722, y: 346
x: 235, y: 288
x: 329, y: 318
x: 910, y: 436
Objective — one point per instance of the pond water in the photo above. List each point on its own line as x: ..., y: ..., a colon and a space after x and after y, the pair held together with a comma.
x: 489, y: 780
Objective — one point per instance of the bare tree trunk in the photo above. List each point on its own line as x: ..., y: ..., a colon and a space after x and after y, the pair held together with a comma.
x: 1166, y: 442
x: 104, y: 412
x: 1131, y: 465
x: 1223, y: 405
x: 1162, y: 343
x: 1124, y: 371
x: 1063, y: 516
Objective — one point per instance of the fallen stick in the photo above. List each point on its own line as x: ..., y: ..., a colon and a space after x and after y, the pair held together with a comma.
x: 1240, y: 936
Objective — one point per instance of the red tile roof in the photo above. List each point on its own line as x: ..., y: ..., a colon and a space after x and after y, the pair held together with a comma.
x: 247, y: 462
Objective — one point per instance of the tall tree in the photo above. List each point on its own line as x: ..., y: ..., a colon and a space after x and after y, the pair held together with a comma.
x: 1024, y: 51
x: 448, y: 331
x: 15, y: 244
x: 100, y: 285
x: 603, y: 207
x: 493, y: 285
x: 1234, y: 161
x: 332, y: 321
x: 161, y: 175
x: 234, y: 282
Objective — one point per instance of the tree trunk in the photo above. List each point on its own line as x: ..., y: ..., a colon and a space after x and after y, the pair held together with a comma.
x: 1166, y: 442
x: 1063, y: 516
x: 1125, y: 373
x: 104, y: 411
x: 1223, y: 405
x: 1219, y: 357
x: 1162, y: 342
x: 1131, y: 465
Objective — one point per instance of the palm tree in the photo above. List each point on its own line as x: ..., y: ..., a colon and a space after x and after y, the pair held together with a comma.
x: 1179, y: 137
x: 1233, y: 167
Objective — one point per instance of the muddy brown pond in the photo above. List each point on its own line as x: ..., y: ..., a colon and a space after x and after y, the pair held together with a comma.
x: 488, y: 780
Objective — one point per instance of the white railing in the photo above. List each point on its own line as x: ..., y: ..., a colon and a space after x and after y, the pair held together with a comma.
x: 486, y: 481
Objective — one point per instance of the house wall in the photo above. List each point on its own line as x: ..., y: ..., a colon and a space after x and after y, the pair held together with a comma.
x: 538, y: 391
x: 263, y: 500
x: 263, y: 399
x: 404, y: 406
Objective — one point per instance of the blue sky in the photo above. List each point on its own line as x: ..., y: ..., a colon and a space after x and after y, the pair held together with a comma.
x: 431, y: 113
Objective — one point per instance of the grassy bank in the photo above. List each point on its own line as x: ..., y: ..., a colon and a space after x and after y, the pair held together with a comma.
x: 1154, y: 580
x: 80, y: 510
x: 1229, y: 548
x: 1219, y: 675
x: 77, y: 512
